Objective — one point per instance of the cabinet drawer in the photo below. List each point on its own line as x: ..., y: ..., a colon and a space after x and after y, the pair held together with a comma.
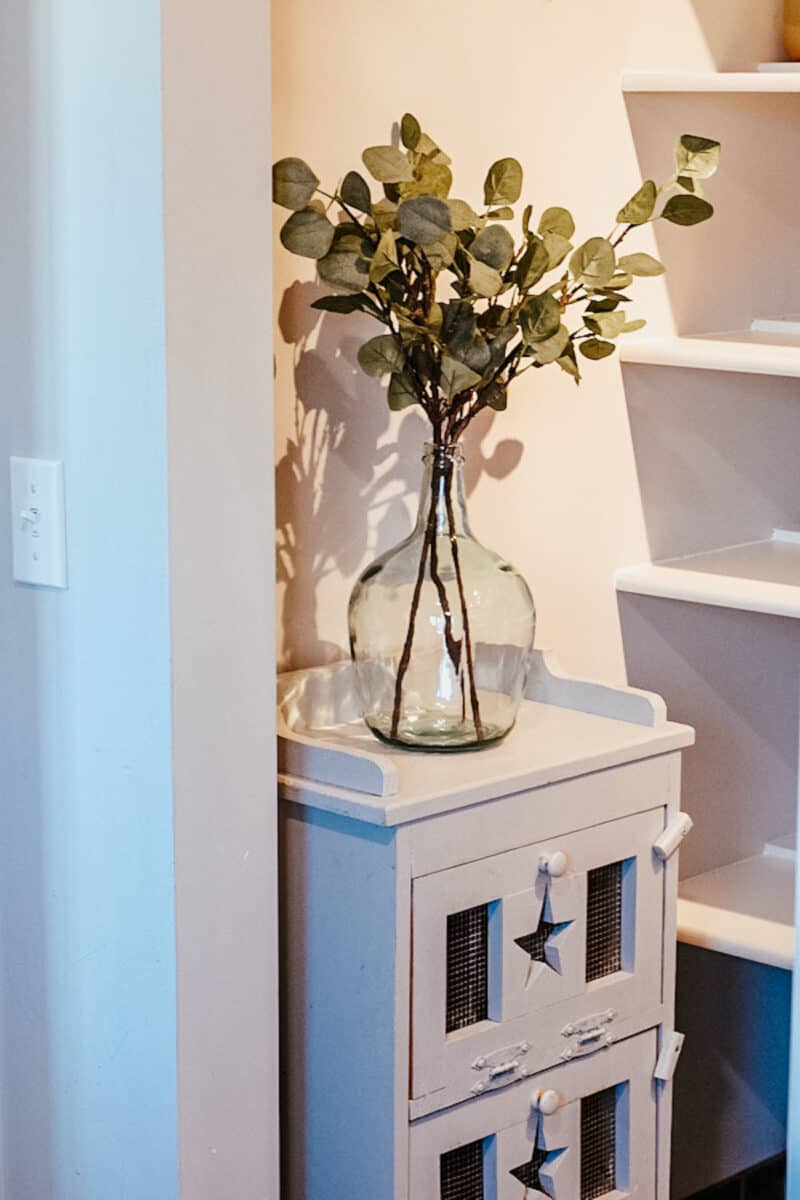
x: 515, y: 969
x: 599, y: 1142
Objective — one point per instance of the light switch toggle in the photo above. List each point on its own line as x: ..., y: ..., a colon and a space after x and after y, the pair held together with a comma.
x: 39, y: 535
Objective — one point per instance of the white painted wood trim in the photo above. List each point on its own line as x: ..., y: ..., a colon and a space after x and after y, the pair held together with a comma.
x: 710, y: 81
x: 714, y: 353
x: 548, y: 684
x: 699, y: 587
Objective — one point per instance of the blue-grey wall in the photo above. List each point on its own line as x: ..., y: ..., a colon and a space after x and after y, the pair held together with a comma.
x: 87, y: 1003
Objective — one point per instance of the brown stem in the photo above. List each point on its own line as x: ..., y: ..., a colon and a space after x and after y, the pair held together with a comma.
x: 473, y: 691
x: 452, y: 643
x: 405, y: 657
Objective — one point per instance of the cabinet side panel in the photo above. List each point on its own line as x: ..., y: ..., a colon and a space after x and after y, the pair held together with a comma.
x: 341, y: 1109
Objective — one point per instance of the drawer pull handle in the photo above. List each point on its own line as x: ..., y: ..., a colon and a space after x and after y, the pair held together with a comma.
x: 546, y: 1102
x: 554, y: 864
x: 504, y: 1068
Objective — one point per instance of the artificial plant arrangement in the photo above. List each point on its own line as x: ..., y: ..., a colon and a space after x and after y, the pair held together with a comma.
x: 466, y: 309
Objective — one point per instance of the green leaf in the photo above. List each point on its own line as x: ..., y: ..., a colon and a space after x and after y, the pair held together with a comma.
x: 339, y: 304
x: 502, y: 214
x: 689, y: 184
x: 293, y: 183
x: 503, y: 182
x: 632, y: 326
x: 494, y: 246
x: 608, y: 325
x: 618, y: 282
x: 568, y: 363
x: 641, y: 205
x: 526, y: 218
x: 553, y: 347
x: 687, y: 210
x: 308, y: 233
x: 496, y: 396
x: 593, y: 264
x: 557, y: 248
x: 697, y: 157
x: 424, y: 220
x: 384, y: 260
x: 640, y: 264
x: 430, y: 179
x: 441, y: 254
x: 410, y: 131
x: 557, y: 220
x: 344, y: 266
x: 381, y: 356
x: 355, y: 192
x: 464, y: 342
x: 387, y: 164
x: 384, y: 214
x: 484, y: 280
x: 427, y: 147
x: 595, y: 349
x: 463, y: 216
x: 401, y: 393
x: 540, y: 318
x: 603, y: 306
x: 534, y: 263
x: 456, y: 377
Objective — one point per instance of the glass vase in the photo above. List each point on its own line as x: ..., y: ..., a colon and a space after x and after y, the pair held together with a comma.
x: 441, y: 627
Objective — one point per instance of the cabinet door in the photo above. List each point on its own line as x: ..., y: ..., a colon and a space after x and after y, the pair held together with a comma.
x: 515, y: 969
x: 600, y: 1140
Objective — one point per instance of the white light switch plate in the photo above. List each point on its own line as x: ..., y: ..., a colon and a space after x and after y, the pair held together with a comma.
x: 37, y: 515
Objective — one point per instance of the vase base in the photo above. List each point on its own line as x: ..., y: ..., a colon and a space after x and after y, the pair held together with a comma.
x: 441, y: 736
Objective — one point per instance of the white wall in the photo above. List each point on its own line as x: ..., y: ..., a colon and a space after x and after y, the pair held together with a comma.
x: 87, y: 1004
x: 136, y: 707
x: 554, y: 482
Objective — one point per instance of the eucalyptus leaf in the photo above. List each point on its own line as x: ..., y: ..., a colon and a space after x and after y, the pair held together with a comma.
x: 534, y: 263
x: 308, y: 233
x: 641, y: 205
x: 685, y: 209
x: 540, y: 318
x: 502, y: 214
x: 595, y: 349
x: 424, y: 220
x: 344, y: 266
x: 384, y: 260
x: 410, y: 131
x: 557, y: 220
x: 441, y: 254
x: 503, y: 183
x: 494, y: 246
x: 632, y: 326
x: 381, y: 356
x: 384, y: 214
x: 697, y: 157
x: 593, y: 264
x: 557, y: 247
x: 430, y: 179
x: 552, y: 348
x: 496, y: 396
x: 526, y: 218
x: 463, y: 215
x: 690, y: 184
x: 293, y: 183
x: 620, y: 281
x: 640, y: 264
x: 484, y: 280
x: 339, y: 304
x: 568, y: 364
x: 456, y: 377
x: 387, y: 164
x: 607, y: 325
x: 401, y: 393
x: 355, y: 192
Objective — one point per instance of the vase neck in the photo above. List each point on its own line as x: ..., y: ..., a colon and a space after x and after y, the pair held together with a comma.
x: 443, y: 491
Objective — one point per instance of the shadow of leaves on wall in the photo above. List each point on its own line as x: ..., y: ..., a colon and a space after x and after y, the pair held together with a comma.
x: 342, y: 484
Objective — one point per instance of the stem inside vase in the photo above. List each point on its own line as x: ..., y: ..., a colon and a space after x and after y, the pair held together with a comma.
x: 459, y: 651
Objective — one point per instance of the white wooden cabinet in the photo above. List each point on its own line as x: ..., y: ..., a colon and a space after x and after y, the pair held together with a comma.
x: 478, y: 967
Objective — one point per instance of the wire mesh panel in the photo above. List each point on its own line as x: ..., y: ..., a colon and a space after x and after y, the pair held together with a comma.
x: 598, y: 1144
x: 461, y: 1173
x: 604, y: 921
x: 467, y: 967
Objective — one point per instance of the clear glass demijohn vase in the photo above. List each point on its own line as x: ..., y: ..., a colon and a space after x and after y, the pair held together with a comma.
x: 441, y: 628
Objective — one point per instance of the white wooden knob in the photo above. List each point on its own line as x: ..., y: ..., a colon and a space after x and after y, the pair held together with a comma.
x: 546, y: 1102
x: 554, y: 864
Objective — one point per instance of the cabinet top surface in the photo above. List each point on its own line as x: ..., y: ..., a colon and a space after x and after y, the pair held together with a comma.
x: 548, y: 744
